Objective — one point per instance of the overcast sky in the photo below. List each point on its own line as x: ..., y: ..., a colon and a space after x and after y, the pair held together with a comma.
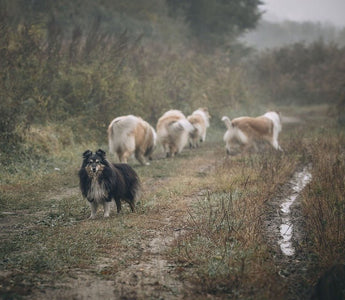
x: 328, y: 11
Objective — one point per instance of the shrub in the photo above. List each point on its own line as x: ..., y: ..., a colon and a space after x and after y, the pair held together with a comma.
x: 299, y: 73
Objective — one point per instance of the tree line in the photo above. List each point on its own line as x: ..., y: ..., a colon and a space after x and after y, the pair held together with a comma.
x: 82, y: 63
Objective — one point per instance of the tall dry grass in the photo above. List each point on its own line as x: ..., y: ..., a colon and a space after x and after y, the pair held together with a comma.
x: 324, y: 200
x: 226, y: 246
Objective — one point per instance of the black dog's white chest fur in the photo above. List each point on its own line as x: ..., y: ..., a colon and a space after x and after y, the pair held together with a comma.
x: 97, y: 191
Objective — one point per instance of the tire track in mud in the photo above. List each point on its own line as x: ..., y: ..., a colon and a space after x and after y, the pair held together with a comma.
x: 285, y: 234
x: 298, y: 182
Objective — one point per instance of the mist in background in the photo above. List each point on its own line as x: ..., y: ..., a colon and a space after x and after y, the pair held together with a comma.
x: 307, y: 21
x: 324, y: 11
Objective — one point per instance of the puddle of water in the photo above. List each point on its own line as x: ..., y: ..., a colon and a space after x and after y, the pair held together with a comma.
x: 298, y: 182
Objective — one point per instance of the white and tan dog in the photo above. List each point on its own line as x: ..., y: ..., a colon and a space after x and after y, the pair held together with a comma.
x: 173, y: 130
x: 245, y: 132
x: 131, y: 134
x: 200, y: 121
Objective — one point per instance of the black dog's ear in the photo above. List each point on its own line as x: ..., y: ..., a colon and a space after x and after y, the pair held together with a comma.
x: 101, y: 153
x: 87, y: 154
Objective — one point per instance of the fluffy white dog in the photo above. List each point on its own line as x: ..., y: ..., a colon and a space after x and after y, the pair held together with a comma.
x: 131, y: 134
x: 200, y: 120
x: 173, y: 130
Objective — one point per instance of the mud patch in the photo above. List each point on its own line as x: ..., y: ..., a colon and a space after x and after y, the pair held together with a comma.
x: 79, y: 287
x: 285, y: 236
x: 154, y: 277
x: 297, y: 184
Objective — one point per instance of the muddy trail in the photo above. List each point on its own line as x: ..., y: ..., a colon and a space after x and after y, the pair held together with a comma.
x: 149, y: 273
x: 152, y: 275
x: 285, y: 235
x: 149, y: 276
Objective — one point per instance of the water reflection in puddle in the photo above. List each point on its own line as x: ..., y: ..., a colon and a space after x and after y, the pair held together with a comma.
x: 298, y: 182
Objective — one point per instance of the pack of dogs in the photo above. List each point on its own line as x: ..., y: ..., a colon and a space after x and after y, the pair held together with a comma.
x: 101, y: 181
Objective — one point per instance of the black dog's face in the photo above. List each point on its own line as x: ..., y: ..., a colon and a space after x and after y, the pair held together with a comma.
x: 94, y: 163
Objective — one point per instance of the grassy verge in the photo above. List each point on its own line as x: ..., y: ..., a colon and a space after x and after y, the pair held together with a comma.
x: 324, y: 200
x: 225, y: 252
x: 46, y: 235
x: 226, y: 247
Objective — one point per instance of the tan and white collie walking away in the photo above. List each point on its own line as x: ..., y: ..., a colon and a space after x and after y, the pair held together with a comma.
x: 131, y: 134
x: 245, y: 132
x: 173, y: 130
x: 200, y: 121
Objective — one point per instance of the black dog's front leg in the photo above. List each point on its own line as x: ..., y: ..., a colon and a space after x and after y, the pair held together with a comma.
x: 118, y: 204
x: 93, y: 206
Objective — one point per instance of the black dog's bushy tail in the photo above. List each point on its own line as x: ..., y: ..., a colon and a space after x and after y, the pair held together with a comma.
x: 132, y: 182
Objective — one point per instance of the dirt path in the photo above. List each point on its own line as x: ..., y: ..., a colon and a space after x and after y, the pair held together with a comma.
x: 151, y: 276
x: 154, y: 277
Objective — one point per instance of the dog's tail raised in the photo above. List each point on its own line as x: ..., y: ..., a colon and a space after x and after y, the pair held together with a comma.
x: 111, y: 138
x: 183, y: 124
x: 227, y: 122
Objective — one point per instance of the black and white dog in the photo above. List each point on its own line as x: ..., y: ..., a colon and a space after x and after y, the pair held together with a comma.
x: 101, y: 181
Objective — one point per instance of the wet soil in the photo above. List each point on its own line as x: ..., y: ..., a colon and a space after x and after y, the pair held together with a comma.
x: 292, y: 268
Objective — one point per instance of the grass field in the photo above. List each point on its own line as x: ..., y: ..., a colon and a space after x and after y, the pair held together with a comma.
x: 197, y: 232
